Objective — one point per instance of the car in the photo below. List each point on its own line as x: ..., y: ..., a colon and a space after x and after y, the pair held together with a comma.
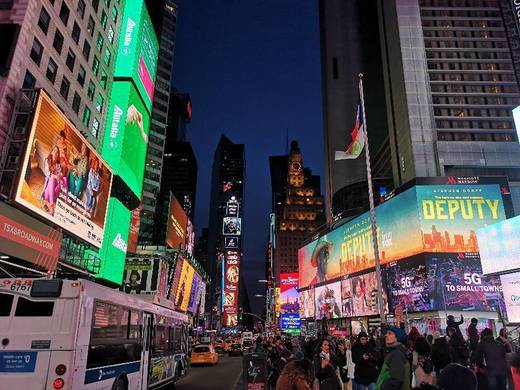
x: 204, y: 354
x: 219, y: 345
x: 236, y: 350
x: 227, y: 345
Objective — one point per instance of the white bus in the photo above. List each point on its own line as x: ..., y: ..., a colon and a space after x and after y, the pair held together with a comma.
x: 64, y: 334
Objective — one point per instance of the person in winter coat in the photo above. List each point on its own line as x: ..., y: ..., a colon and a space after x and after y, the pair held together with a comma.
x: 441, y: 355
x: 412, y: 336
x: 325, y: 368
x: 342, y: 360
x: 492, y: 355
x: 296, y: 375
x: 473, y: 335
x: 456, y: 377
x: 395, y: 373
x: 422, y: 362
x: 455, y: 325
x: 458, y: 348
x: 365, y: 360
x: 515, y: 372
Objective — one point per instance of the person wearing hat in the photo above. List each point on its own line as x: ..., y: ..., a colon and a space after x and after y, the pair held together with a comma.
x: 365, y: 360
x: 473, y: 334
x: 320, y: 259
x: 395, y: 373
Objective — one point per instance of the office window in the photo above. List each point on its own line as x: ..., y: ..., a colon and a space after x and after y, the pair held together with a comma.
x: 91, y: 26
x: 64, y: 13
x: 86, y: 116
x: 86, y: 50
x: 110, y: 34
x: 71, y: 59
x: 91, y: 90
x: 58, y: 41
x: 99, y: 103
x: 107, y: 56
x: 81, y: 8
x: 95, y: 5
x: 104, y: 79
x: 36, y: 51
x: 95, y: 127
x: 76, y: 32
x: 76, y: 102
x: 64, y: 88
x: 114, y: 14
x: 104, y: 20
x: 52, y: 69
x: 95, y: 66
x: 81, y: 75
x: 99, y: 43
x: 44, y: 20
x: 29, y: 81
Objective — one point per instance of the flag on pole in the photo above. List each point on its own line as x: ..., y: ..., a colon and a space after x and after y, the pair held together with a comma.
x: 357, y: 142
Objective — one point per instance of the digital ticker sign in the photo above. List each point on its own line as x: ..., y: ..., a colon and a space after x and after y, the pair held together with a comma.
x: 424, y: 218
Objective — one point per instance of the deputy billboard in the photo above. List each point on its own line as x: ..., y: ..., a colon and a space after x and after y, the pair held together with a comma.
x: 62, y: 177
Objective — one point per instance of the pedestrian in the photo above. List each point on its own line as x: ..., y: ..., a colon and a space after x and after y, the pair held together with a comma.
x: 441, y: 355
x: 325, y: 368
x: 491, y: 356
x: 422, y: 363
x: 451, y: 323
x: 365, y: 359
x: 504, y: 340
x: 473, y: 334
x: 458, y: 348
x: 515, y: 371
x: 342, y: 359
x: 412, y: 336
x: 395, y: 373
x: 429, y: 339
x: 296, y: 375
x: 456, y: 377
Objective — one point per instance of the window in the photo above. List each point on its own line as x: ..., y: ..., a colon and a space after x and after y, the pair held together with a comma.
x: 81, y: 8
x: 104, y: 79
x: 36, y: 51
x: 29, y: 81
x: 76, y: 102
x: 71, y: 59
x: 106, y: 322
x: 107, y: 56
x: 81, y: 75
x: 64, y: 13
x: 91, y: 26
x: 114, y: 14
x: 27, y: 308
x: 52, y: 69
x: 76, y: 32
x: 95, y: 127
x: 86, y: 116
x: 99, y: 103
x: 104, y: 19
x: 110, y: 34
x: 136, y: 321
x: 6, y: 302
x: 95, y: 66
x: 64, y: 88
x: 44, y: 20
x: 86, y: 50
x: 58, y: 41
x: 91, y: 90
x: 99, y: 43
x: 95, y: 5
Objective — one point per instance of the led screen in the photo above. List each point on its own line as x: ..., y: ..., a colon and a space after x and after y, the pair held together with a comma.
x: 232, y: 226
x: 307, y: 303
x: 177, y: 224
x: 364, y: 295
x: 511, y: 289
x: 328, y: 301
x: 62, y: 178
x: 499, y: 246
x: 194, y: 295
x: 182, y: 296
x: 126, y: 136
x: 433, y: 218
x: 290, y: 323
x: 289, y: 293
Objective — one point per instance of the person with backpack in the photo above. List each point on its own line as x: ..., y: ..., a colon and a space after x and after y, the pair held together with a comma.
x: 395, y: 373
x: 459, y: 349
x: 422, y: 363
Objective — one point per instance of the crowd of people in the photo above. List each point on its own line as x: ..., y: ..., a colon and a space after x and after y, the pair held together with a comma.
x: 395, y: 359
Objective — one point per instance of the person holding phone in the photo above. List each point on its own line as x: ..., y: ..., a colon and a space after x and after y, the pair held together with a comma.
x: 325, y: 367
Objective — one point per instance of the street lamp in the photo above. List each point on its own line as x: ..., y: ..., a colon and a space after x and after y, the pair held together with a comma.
x: 260, y: 296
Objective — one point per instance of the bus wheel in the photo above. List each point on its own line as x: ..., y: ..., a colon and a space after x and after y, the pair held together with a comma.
x: 119, y: 384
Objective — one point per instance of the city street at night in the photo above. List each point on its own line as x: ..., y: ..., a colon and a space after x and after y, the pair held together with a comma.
x: 226, y: 375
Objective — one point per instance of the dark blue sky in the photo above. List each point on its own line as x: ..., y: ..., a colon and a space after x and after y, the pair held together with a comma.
x: 252, y: 68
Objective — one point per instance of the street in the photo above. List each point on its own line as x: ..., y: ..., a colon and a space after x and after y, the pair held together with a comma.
x: 224, y: 376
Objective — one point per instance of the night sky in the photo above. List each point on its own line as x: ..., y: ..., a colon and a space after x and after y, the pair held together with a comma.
x: 252, y: 69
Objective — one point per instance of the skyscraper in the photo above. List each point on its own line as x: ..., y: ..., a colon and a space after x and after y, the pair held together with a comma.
x: 449, y: 87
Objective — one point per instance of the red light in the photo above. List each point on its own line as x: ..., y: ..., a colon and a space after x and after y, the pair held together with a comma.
x: 61, y: 369
x: 58, y: 383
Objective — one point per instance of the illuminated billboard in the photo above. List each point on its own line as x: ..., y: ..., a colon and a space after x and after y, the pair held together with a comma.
x: 182, y: 296
x: 190, y: 237
x: 138, y: 50
x: 499, y: 246
x: 62, y: 178
x: 307, y: 303
x: 145, y: 276
x: 126, y: 135
x: 133, y: 235
x: 290, y: 323
x: 177, y: 224
x: 364, y: 295
x: 289, y: 293
x: 232, y: 226
x: 425, y: 218
x: 194, y: 294
x: 328, y: 301
x: 511, y: 290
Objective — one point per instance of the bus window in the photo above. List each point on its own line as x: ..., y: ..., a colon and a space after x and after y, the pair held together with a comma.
x: 136, y: 323
x: 107, y: 322
x: 6, y: 302
x: 160, y: 339
x: 27, y: 308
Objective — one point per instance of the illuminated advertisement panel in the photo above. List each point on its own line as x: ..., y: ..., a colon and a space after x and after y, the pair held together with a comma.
x: 231, y: 277
x: 145, y: 276
x: 499, y: 246
x: 182, y: 296
x: 364, y: 295
x: 194, y: 294
x: 126, y: 136
x: 432, y: 218
x: 290, y: 323
x: 62, y: 178
x: 190, y: 237
x: 138, y: 50
x: 232, y: 271
x: 230, y: 319
x: 231, y: 242
x: 328, y: 301
x: 511, y: 290
x: 289, y: 293
x: 232, y: 226
x: 176, y: 277
x: 307, y: 303
x: 177, y: 223
x: 133, y: 235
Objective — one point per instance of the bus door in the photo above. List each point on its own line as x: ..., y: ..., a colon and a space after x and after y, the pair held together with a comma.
x: 147, y: 345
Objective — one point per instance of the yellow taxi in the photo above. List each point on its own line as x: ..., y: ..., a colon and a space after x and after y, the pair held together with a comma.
x: 227, y: 345
x: 204, y: 354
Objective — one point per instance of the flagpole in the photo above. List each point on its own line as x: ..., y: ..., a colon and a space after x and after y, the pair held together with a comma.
x: 372, y: 209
